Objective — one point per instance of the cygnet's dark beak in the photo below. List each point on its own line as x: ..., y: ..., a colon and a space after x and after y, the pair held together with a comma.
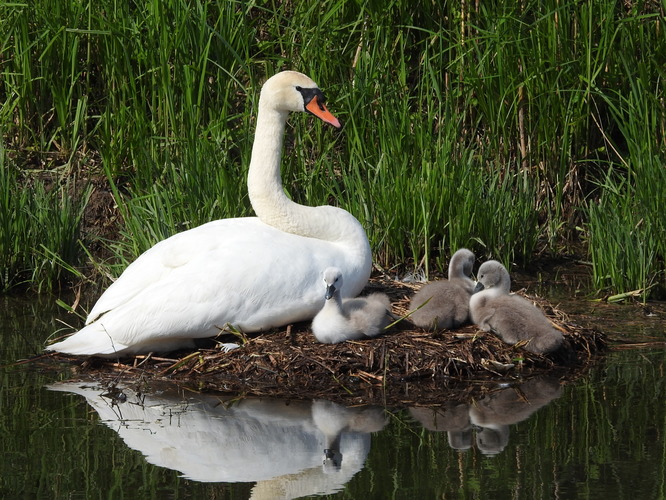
x: 479, y: 286
x: 330, y: 291
x: 332, y: 458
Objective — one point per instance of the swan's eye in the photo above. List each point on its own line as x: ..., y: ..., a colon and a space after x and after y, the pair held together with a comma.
x: 312, y: 93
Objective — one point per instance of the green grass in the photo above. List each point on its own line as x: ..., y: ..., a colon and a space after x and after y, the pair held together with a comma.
x: 627, y: 223
x: 39, y: 229
x: 512, y: 129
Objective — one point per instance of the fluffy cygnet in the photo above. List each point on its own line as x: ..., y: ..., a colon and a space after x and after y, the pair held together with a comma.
x: 448, y: 300
x: 510, y: 316
x: 347, y: 319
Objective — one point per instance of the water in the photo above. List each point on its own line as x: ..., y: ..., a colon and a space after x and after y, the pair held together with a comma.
x: 601, y: 436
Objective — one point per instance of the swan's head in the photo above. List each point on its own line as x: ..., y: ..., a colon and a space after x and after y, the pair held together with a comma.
x: 332, y: 281
x: 293, y: 91
x: 493, y: 274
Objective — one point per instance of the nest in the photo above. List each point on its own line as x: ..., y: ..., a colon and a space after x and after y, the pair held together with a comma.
x: 403, y: 366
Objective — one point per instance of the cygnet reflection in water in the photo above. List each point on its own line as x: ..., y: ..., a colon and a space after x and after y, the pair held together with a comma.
x: 333, y: 420
x: 212, y: 439
x: 452, y: 418
x: 491, y: 416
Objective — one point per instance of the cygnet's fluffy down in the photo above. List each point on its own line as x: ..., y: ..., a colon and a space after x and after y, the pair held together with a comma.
x: 448, y: 300
x: 348, y: 319
x: 510, y: 316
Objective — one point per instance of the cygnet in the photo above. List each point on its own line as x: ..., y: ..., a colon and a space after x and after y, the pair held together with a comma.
x: 448, y: 300
x: 513, y: 318
x: 348, y: 319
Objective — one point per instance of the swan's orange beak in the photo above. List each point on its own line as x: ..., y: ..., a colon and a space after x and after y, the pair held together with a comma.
x: 319, y: 110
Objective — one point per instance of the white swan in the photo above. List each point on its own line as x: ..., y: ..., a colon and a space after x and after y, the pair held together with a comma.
x: 510, y: 316
x: 448, y: 300
x: 254, y: 273
x: 349, y: 319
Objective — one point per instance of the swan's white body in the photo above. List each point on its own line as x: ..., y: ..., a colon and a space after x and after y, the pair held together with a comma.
x: 252, y: 273
x: 349, y: 319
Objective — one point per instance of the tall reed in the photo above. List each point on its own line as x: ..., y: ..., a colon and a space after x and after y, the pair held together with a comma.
x: 627, y: 223
x: 486, y: 125
x: 39, y: 229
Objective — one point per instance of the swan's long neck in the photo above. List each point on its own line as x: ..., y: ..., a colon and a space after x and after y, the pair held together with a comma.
x: 337, y: 304
x: 505, y: 283
x: 267, y: 195
x: 264, y: 182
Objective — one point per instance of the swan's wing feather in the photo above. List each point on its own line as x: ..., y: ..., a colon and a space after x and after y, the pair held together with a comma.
x: 159, y: 261
x: 223, y: 273
x: 233, y: 257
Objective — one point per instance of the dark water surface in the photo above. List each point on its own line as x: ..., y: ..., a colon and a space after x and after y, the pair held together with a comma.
x: 601, y: 436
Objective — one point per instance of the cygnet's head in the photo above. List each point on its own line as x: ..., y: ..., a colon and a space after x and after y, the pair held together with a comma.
x: 462, y: 263
x: 492, y: 440
x: 293, y: 91
x: 493, y: 274
x: 332, y: 281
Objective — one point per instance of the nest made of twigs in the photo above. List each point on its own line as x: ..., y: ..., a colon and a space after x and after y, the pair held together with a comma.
x: 405, y: 364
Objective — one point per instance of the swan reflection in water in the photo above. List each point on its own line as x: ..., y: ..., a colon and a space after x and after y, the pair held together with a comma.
x: 489, y: 417
x: 290, y: 449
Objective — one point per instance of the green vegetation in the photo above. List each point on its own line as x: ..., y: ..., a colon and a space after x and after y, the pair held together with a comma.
x: 510, y: 128
x: 39, y: 229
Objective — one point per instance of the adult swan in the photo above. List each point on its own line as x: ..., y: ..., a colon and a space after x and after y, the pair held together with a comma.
x: 252, y: 273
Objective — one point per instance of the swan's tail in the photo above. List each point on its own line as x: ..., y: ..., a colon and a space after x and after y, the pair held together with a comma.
x: 90, y: 340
